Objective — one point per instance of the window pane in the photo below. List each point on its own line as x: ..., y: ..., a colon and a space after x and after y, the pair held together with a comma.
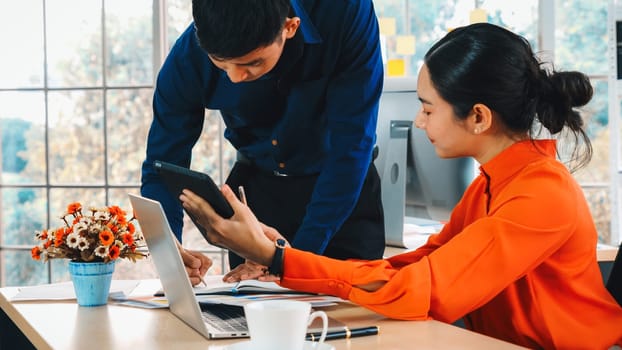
x: 128, y: 120
x: 582, y: 43
x: 74, y: 42
x: 118, y: 196
x: 141, y: 269
x: 595, y: 177
x: 60, y: 270
x: 599, y: 200
x: 19, y: 269
x: 60, y: 198
x: 179, y: 17
x: 396, y: 9
x: 76, y: 137
x: 207, y: 152
x: 129, y: 42
x: 22, y: 55
x: 23, y: 212
x: 595, y: 116
x: 22, y: 136
x: 429, y: 20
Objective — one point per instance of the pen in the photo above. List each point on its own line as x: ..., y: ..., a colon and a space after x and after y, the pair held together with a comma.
x: 345, y: 333
x: 235, y: 289
x: 242, y: 195
x: 203, y: 280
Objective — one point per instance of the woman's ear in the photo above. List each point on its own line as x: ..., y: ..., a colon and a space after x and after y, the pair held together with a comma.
x: 480, y: 119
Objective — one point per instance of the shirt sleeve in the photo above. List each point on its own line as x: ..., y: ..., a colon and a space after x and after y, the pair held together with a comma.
x: 456, y: 272
x: 178, y: 116
x: 453, y: 226
x: 351, y: 111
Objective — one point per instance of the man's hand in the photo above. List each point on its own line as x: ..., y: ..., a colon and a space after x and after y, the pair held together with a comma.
x: 196, y: 264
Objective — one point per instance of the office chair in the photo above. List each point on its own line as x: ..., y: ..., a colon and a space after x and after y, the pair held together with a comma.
x: 614, y: 283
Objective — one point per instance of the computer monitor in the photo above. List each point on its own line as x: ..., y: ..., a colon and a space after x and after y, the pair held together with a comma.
x: 415, y: 182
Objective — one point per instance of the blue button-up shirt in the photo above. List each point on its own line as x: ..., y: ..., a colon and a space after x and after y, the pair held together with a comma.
x: 314, y: 113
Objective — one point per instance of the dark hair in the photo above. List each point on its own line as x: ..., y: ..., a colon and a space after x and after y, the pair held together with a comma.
x: 233, y: 28
x: 485, y: 63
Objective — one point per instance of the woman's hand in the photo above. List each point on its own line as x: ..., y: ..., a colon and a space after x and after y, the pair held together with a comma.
x: 242, y: 233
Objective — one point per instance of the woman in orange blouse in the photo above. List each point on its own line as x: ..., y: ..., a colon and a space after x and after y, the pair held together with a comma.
x: 517, y: 259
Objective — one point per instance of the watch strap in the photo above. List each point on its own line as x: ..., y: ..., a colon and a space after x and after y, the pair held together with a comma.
x: 276, y: 268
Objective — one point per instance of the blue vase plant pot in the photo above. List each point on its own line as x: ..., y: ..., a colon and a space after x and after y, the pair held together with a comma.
x: 91, y: 281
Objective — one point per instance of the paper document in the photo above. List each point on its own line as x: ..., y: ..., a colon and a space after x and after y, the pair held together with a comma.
x: 215, y: 285
x: 65, y: 291
x: 145, y: 295
x: 243, y: 299
x: 410, y: 228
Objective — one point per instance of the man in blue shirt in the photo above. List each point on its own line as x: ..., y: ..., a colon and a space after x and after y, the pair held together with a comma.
x: 297, y: 84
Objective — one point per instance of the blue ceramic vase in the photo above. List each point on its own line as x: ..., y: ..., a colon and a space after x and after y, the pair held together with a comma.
x: 91, y: 281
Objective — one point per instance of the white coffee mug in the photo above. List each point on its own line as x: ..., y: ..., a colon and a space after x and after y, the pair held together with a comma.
x: 281, y: 324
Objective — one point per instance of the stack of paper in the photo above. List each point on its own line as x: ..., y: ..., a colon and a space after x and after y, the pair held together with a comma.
x: 65, y: 291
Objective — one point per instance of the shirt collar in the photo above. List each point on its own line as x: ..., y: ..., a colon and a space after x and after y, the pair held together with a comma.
x: 309, y: 32
x: 517, y: 156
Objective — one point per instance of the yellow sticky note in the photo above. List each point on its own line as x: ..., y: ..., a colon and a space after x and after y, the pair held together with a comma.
x: 396, y: 68
x: 478, y: 16
x: 387, y: 25
x: 405, y: 45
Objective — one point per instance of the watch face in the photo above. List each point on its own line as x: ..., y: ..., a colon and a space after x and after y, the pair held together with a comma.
x: 280, y: 243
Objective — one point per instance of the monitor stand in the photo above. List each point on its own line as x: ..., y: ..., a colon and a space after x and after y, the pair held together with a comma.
x: 391, y: 164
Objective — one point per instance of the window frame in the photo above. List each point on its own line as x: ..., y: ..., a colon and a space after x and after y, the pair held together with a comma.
x: 546, y: 43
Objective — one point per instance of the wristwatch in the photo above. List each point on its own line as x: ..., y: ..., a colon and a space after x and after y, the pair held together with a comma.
x: 276, y: 268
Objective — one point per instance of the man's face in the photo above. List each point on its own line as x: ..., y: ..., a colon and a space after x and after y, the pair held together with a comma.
x: 260, y: 61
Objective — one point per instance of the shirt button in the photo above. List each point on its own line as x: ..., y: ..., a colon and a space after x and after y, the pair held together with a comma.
x: 340, y: 285
x: 331, y: 284
x: 275, y: 142
x: 281, y: 165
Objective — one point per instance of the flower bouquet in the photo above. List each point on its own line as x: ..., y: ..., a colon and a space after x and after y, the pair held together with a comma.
x: 103, y: 235
x: 92, y: 242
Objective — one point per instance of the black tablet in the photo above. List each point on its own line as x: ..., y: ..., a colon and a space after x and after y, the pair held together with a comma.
x: 177, y: 178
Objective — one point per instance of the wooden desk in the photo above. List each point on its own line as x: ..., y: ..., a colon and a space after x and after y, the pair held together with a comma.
x: 65, y: 325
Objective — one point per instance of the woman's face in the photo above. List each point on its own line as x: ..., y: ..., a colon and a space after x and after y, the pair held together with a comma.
x: 448, y: 134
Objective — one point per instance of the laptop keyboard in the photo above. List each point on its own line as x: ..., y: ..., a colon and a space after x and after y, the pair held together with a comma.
x: 227, y: 318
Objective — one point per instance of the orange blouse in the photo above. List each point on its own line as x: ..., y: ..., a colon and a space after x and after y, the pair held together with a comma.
x: 517, y: 260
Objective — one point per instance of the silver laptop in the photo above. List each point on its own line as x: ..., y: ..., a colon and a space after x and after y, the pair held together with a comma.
x: 210, y: 320
x: 215, y: 321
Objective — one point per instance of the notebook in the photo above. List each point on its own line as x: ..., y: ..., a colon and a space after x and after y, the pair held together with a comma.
x: 210, y: 320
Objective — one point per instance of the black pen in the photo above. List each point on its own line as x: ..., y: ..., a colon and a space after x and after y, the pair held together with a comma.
x: 345, y: 333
